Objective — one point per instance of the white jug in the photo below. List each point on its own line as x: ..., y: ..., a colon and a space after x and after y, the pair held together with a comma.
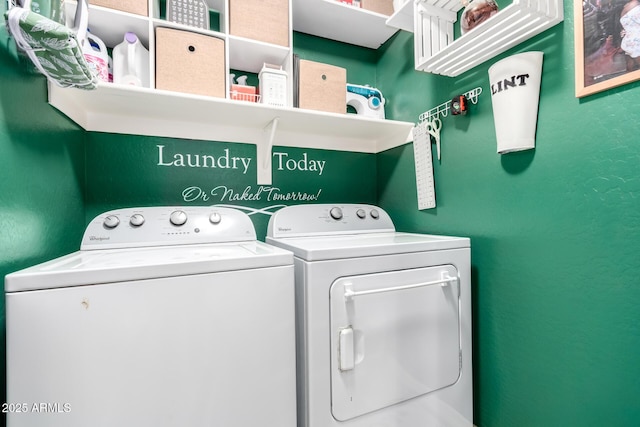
x: 95, y: 53
x: 131, y: 62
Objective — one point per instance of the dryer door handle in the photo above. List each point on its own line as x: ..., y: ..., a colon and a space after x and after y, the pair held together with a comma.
x: 346, y: 349
x: 349, y: 293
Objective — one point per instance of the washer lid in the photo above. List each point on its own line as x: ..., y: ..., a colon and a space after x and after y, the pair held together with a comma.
x: 319, y: 248
x: 117, y: 265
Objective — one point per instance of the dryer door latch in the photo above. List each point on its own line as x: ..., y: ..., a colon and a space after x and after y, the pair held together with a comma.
x: 346, y: 349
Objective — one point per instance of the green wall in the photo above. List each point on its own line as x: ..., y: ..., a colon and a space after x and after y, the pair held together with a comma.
x: 555, y: 235
x: 555, y: 230
x: 123, y: 170
x: 42, y: 175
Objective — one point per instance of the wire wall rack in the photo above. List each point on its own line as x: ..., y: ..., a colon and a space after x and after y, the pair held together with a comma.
x: 444, y: 108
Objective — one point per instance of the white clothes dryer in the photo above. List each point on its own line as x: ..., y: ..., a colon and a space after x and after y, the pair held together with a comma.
x: 166, y: 317
x: 384, y: 319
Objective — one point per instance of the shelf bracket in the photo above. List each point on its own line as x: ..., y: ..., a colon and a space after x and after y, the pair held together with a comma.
x: 263, y: 153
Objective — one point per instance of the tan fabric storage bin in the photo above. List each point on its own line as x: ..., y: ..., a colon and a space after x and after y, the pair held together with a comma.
x: 139, y: 7
x: 322, y: 87
x: 263, y: 20
x: 190, y: 63
x: 384, y: 7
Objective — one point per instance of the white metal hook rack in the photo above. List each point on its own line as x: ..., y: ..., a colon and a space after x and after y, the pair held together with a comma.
x: 444, y: 108
x: 429, y: 126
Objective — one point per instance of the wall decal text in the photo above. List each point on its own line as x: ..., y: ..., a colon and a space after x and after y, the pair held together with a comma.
x: 226, y: 160
x: 223, y: 193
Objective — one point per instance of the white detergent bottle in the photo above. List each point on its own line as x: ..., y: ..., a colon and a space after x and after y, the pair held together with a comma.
x: 131, y: 62
x: 95, y: 53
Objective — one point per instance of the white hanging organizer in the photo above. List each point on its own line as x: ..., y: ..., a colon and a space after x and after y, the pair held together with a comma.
x: 437, y: 52
x: 444, y: 108
x: 429, y: 125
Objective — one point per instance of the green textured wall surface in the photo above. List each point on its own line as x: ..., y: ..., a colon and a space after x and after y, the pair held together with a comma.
x: 555, y: 231
x: 126, y: 170
x: 555, y: 237
x: 42, y: 170
x: 360, y: 63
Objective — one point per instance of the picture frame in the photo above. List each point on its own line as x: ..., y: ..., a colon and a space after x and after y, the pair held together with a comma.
x: 603, y: 50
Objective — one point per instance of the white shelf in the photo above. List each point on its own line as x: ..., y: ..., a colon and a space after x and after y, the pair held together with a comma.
x: 338, y: 21
x: 249, y: 55
x: 141, y: 111
x: 403, y: 17
x: 438, y: 53
x: 110, y: 24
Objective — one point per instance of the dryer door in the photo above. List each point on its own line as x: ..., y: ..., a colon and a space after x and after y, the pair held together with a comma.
x: 394, y: 336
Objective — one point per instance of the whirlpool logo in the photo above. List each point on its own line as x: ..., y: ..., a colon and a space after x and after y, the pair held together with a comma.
x: 98, y: 238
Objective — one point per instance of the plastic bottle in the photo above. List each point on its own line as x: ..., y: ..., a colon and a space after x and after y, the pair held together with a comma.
x: 131, y: 62
x: 95, y: 52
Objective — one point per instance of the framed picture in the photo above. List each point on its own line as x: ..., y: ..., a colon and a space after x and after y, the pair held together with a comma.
x: 607, y: 44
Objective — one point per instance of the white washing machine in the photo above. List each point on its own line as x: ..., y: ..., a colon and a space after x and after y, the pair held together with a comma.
x: 166, y: 317
x: 384, y: 319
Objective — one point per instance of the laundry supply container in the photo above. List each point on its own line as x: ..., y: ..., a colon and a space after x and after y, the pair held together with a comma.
x: 131, y: 62
x: 262, y: 20
x: 190, y: 62
x: 322, y: 87
x: 138, y: 7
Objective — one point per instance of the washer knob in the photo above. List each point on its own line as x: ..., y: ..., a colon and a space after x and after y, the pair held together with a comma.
x: 136, y: 220
x: 361, y: 213
x: 374, y: 214
x: 215, y: 218
x: 111, y: 221
x: 336, y: 213
x: 178, y: 218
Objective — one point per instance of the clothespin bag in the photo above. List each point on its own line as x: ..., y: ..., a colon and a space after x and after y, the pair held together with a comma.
x: 55, y: 49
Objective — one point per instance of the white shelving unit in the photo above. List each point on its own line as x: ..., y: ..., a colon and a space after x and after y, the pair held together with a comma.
x: 338, y: 21
x: 147, y: 111
x: 242, y: 53
x: 437, y: 52
x: 140, y: 111
x: 403, y: 17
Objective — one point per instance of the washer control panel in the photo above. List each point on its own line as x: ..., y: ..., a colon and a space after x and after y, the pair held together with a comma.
x: 325, y: 219
x: 168, y: 225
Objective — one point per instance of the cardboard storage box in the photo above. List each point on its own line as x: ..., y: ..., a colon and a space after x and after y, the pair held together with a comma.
x: 139, y: 7
x: 263, y: 20
x: 384, y: 7
x: 190, y: 62
x: 322, y: 87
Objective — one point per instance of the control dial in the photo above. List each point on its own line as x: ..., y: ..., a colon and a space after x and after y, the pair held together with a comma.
x: 336, y: 213
x: 374, y: 214
x: 178, y: 218
x: 136, y: 220
x: 361, y: 213
x: 215, y: 218
x: 111, y: 221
